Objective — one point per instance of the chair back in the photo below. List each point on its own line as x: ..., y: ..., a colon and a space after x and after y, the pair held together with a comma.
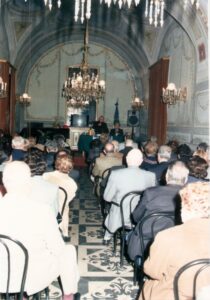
x: 203, y: 264
x: 65, y: 196
x: 150, y: 225
x: 131, y: 196
x: 5, y: 244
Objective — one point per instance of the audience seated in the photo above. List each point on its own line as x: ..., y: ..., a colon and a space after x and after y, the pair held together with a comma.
x: 184, y: 152
x: 150, y: 155
x: 43, y: 191
x: 121, y: 182
x: 21, y: 218
x: 116, y: 149
x: 116, y: 133
x: 60, y: 177
x: 179, y: 245
x: 160, y: 199
x: 106, y: 161
x: 163, y: 157
x: 19, y: 148
x: 73, y: 173
x: 51, y: 150
x: 128, y: 142
x: 197, y: 169
x: 174, y: 146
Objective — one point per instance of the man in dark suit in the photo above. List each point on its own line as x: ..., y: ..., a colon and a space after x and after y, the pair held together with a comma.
x: 100, y: 126
x: 116, y: 133
x: 163, y: 157
x: 161, y: 199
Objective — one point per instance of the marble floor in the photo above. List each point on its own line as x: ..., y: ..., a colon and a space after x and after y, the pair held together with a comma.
x: 102, y: 278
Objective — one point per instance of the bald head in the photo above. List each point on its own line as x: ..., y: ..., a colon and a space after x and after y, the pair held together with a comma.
x: 134, y: 158
x: 16, y: 175
x: 109, y: 148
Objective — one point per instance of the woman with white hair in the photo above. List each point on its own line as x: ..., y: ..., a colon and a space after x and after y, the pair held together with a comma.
x: 34, y: 225
x: 179, y: 245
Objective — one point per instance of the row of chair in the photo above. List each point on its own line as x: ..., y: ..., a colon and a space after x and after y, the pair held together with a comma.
x: 5, y: 242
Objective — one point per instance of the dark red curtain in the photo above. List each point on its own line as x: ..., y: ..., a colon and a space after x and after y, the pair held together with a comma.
x: 157, y: 111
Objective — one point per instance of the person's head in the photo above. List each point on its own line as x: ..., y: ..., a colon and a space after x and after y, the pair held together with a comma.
x: 104, y: 138
x: 101, y: 119
x: 177, y: 173
x: 184, y: 152
x: 195, y: 201
x: 18, y: 142
x: 197, y: 167
x: 151, y: 148
x: 63, y: 164
x: 16, y: 176
x: 174, y: 145
x: 64, y: 152
x: 203, y: 146
x: 116, y: 146
x: 164, y: 153
x: 109, y: 148
x: 116, y: 124
x: 51, y: 146
x: 134, y: 158
x: 36, y: 161
x: 91, y: 132
x: 129, y: 143
x: 201, y: 153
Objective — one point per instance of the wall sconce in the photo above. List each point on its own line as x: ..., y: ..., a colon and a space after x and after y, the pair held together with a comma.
x: 171, y: 95
x: 137, y: 103
x: 25, y: 99
x: 3, y: 88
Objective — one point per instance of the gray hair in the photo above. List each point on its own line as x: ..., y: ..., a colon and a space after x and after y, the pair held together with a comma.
x: 177, y: 173
x: 165, y: 152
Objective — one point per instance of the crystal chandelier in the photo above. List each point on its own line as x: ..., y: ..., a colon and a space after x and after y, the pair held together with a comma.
x: 3, y: 88
x: 171, y: 95
x: 83, y: 87
x: 154, y: 9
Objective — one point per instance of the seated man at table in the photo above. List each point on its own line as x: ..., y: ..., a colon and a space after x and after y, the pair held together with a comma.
x: 35, y: 226
x: 100, y: 126
x: 116, y: 133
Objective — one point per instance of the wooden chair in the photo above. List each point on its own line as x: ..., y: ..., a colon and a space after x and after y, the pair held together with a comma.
x: 125, y: 227
x: 204, y: 263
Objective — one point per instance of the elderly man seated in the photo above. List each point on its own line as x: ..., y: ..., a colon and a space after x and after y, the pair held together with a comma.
x: 35, y: 226
x: 176, y: 246
x: 121, y: 182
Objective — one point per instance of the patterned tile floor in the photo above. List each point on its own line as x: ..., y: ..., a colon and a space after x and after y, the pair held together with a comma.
x: 102, y: 278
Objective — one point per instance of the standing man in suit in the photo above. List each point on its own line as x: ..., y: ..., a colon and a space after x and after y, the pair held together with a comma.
x: 122, y: 182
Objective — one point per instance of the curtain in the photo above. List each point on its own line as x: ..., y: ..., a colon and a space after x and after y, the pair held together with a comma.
x: 157, y: 110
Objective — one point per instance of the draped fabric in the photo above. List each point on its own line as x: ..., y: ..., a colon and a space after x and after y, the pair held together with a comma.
x: 157, y: 111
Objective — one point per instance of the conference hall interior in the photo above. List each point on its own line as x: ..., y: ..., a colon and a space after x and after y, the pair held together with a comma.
x: 104, y: 131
